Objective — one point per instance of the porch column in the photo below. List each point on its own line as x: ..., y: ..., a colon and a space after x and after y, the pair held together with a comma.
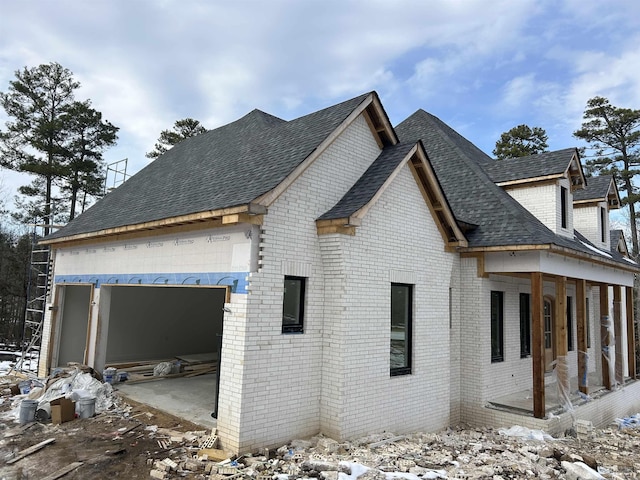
x: 617, y: 328
x: 631, y: 333
x: 560, y: 337
x: 581, y: 333
x: 537, y: 345
x: 605, y: 339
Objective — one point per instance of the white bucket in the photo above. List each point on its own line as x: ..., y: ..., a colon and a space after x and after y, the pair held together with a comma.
x: 87, y: 407
x: 28, y: 411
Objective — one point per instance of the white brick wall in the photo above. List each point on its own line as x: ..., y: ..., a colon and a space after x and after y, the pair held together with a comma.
x: 543, y: 201
x: 280, y: 377
x: 587, y: 222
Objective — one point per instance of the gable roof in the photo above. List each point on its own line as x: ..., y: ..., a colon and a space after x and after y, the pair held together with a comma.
x: 474, y: 198
x: 227, y: 167
x: 354, y: 205
x: 497, y: 219
x: 602, y: 188
x: 541, y: 166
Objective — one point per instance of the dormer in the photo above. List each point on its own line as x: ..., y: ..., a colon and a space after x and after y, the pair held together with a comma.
x: 619, y: 243
x: 591, y: 207
x: 544, y: 184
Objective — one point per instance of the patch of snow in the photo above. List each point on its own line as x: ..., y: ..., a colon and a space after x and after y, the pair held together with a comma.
x: 597, y: 250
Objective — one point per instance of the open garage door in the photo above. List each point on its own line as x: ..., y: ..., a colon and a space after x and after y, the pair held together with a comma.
x: 153, y: 323
x: 72, y: 324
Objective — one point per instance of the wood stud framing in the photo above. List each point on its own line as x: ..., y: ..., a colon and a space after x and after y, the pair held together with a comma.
x: 617, y: 328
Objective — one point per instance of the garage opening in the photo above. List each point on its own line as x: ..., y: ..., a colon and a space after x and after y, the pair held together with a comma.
x: 73, y: 319
x: 151, y: 324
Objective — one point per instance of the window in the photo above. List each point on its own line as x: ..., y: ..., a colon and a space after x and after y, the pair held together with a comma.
x: 497, y: 325
x: 569, y: 324
x: 525, y: 325
x: 603, y: 225
x: 564, y: 214
x: 401, y: 318
x: 588, y: 324
x: 293, y: 305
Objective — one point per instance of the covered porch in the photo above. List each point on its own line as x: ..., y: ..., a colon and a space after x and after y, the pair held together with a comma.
x: 612, y: 361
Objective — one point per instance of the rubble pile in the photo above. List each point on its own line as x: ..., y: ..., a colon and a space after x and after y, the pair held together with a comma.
x: 118, y: 441
x: 452, y: 454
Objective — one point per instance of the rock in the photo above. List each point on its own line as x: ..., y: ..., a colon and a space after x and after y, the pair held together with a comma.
x: 546, y: 452
x: 319, y: 466
x: 372, y: 475
x: 571, y: 457
x: 580, y: 471
x: 591, y: 461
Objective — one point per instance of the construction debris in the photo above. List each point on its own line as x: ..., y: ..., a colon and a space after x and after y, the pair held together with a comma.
x: 119, y: 436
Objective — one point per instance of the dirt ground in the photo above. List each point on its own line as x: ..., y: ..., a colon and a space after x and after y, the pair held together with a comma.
x: 130, y: 441
x: 109, y: 445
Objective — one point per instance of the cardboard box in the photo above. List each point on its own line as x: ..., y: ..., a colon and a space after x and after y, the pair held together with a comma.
x: 62, y: 410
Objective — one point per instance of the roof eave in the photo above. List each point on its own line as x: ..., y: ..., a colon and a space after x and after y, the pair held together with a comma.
x: 250, y: 213
x: 568, y: 252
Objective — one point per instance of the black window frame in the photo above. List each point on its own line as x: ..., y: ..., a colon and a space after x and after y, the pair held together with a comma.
x: 564, y: 207
x: 525, y: 325
x: 603, y: 223
x: 298, y: 326
x: 408, y: 330
x: 497, y: 326
x: 570, y: 345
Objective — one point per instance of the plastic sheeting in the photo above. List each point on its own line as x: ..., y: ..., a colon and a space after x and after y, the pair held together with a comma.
x: 75, y: 386
x: 561, y: 371
x: 525, y: 433
x: 608, y: 341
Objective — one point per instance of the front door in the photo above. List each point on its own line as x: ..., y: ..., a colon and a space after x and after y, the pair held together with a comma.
x: 549, y: 354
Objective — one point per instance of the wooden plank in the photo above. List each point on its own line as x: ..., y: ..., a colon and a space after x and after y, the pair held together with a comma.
x: 605, y: 341
x: 63, y: 471
x: 213, y: 454
x: 581, y: 333
x: 209, y: 357
x: 537, y: 345
x: 631, y: 334
x: 30, y: 450
x: 617, y: 328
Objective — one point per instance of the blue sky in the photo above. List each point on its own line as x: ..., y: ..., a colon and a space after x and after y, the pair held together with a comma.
x: 481, y: 66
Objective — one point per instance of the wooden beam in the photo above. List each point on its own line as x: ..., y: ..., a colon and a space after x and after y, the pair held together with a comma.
x: 348, y: 230
x: 537, y: 345
x: 206, y: 216
x: 605, y: 340
x: 375, y: 131
x: 560, y: 324
x: 631, y: 333
x: 581, y: 332
x: 242, y: 218
x: 617, y: 328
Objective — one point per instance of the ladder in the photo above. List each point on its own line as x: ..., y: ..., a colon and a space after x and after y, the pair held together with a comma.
x: 38, y: 286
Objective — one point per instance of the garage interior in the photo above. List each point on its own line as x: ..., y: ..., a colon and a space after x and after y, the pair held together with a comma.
x: 147, y: 325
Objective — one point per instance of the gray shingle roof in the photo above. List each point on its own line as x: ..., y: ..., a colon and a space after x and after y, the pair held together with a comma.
x: 597, y: 189
x: 370, y: 182
x: 226, y: 167
x: 531, y: 166
x: 474, y: 197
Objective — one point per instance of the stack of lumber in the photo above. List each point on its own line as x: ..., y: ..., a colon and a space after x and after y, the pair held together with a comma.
x: 189, y: 366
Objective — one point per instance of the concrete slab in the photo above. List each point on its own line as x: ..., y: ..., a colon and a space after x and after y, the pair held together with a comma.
x: 522, y: 401
x: 190, y: 398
